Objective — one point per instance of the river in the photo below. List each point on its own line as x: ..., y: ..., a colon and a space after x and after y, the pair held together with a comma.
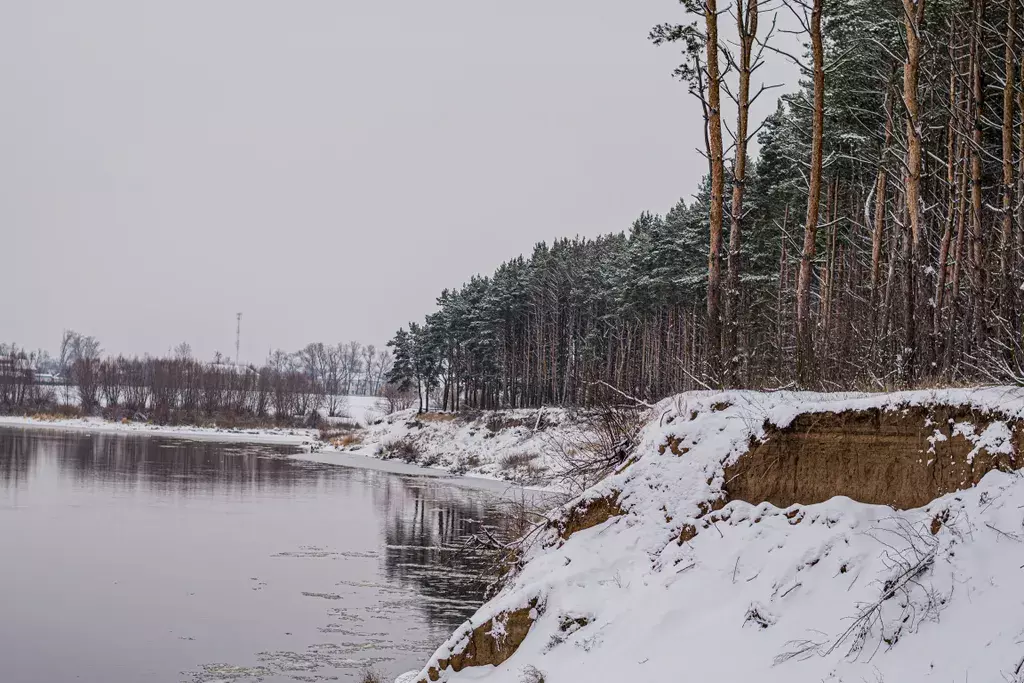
x: 127, y: 558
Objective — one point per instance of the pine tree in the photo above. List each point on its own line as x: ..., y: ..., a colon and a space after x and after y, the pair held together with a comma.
x: 402, y: 373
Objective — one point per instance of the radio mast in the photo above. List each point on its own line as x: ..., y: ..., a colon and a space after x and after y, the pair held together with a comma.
x: 238, y: 335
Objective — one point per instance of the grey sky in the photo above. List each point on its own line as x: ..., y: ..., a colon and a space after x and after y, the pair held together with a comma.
x: 324, y: 166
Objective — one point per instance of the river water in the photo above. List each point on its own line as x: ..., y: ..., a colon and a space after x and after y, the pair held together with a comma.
x: 127, y: 559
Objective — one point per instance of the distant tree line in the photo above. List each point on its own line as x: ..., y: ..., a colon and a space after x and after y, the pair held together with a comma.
x: 876, y: 240
x: 18, y: 386
x: 180, y: 388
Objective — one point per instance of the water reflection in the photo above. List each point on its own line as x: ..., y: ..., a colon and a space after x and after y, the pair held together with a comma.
x: 15, y: 459
x: 253, y: 559
x: 426, y: 535
x: 159, y: 465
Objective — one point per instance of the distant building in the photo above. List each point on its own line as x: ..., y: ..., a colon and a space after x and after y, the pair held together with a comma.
x: 237, y: 368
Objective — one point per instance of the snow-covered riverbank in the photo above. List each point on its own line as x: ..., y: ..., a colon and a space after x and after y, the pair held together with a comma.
x: 676, y: 567
x: 509, y: 447
x: 360, y: 410
x: 297, y: 437
x: 519, y: 446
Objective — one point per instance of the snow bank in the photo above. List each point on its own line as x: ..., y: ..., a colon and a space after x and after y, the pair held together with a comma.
x: 680, y: 582
x: 518, y: 446
x: 298, y: 437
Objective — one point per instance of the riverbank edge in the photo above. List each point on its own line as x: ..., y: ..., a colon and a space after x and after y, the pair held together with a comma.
x: 313, y: 449
x: 293, y: 437
x: 632, y: 573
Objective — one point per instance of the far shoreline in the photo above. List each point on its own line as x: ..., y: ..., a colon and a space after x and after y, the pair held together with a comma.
x: 282, y: 436
x: 312, y: 449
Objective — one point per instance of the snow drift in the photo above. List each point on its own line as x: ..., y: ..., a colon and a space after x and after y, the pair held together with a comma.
x: 777, y: 537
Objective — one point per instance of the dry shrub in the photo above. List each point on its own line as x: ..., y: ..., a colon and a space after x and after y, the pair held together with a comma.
x: 465, y: 463
x: 393, y: 399
x: 517, y: 460
x: 531, y: 674
x: 404, y: 449
x: 503, y: 547
x: 371, y: 676
x: 497, y: 421
x: 344, y: 423
x: 522, y: 468
x: 594, y: 444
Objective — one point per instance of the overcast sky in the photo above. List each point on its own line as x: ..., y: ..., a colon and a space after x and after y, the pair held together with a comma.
x: 324, y: 166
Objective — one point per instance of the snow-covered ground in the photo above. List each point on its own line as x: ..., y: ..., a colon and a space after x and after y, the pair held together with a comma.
x: 518, y: 446
x: 362, y: 409
x: 834, y: 591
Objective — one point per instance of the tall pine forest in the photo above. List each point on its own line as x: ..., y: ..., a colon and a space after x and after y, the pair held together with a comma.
x: 875, y: 242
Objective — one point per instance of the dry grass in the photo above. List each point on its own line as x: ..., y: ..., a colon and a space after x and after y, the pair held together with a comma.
x: 53, y: 413
x: 342, y: 439
x: 352, y: 439
x: 48, y: 417
x: 342, y: 435
x: 436, y: 417
x: 329, y: 430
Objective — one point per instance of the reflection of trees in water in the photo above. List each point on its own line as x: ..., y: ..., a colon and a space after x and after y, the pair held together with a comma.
x: 426, y: 521
x: 161, y: 465
x: 426, y: 527
x: 15, y: 459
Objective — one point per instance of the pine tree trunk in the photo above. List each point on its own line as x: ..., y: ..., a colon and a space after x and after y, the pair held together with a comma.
x: 952, y: 184
x: 805, y: 347
x: 746, y: 25
x: 715, y: 154
x: 977, y: 144
x: 1006, y: 247
x: 781, y: 320
x: 913, y: 13
x: 952, y: 318
x: 878, y: 233
x: 1017, y: 274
